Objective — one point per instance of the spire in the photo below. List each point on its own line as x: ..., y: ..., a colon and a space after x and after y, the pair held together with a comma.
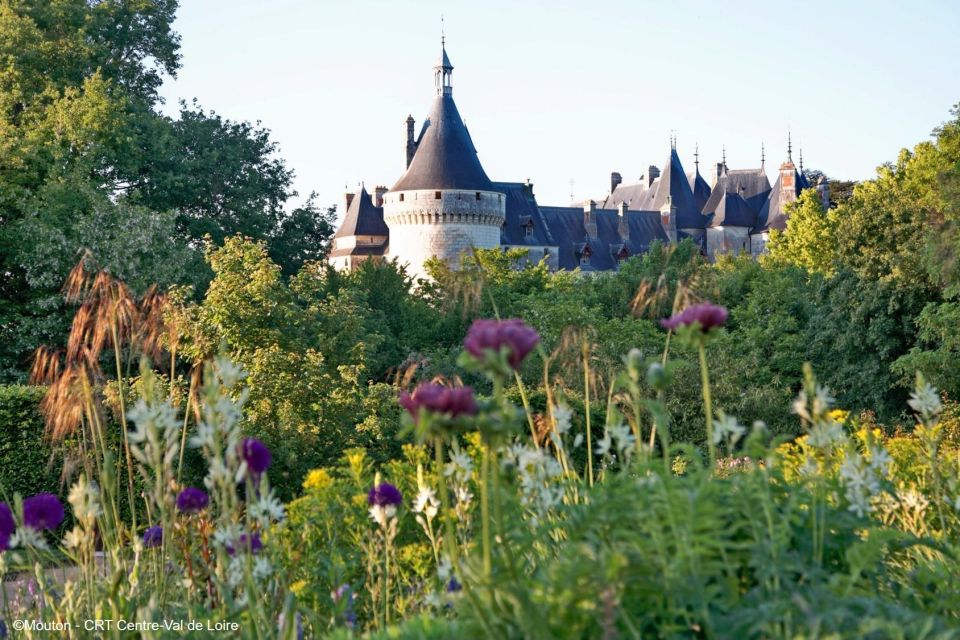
x: 763, y: 155
x: 724, y: 157
x: 801, y: 160
x: 789, y: 146
x: 443, y: 70
x: 696, y: 156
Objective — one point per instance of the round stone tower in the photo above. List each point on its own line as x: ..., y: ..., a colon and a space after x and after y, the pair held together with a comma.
x: 444, y: 205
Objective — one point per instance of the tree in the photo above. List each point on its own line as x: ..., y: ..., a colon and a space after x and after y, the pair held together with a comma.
x: 810, y: 239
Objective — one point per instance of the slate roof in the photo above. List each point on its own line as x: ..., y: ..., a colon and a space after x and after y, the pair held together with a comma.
x: 362, y: 218
x: 445, y: 156
x: 673, y: 182
x: 772, y: 215
x: 737, y: 198
x: 571, y: 239
x: 632, y: 194
x: 522, y: 210
x: 699, y: 187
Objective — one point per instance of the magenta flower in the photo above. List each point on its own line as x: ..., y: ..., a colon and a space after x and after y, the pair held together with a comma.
x: 153, y: 537
x: 435, y: 398
x: 492, y: 335
x: 705, y: 315
x: 384, y: 495
x: 256, y: 455
x: 7, y: 526
x: 42, y: 511
x: 192, y: 500
x: 244, y: 543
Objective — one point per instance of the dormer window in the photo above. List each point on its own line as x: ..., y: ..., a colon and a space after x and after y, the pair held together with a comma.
x: 585, y: 260
x: 528, y: 231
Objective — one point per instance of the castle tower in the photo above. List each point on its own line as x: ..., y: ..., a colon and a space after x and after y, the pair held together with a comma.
x: 444, y: 204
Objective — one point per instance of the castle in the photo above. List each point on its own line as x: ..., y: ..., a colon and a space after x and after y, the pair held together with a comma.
x: 445, y: 204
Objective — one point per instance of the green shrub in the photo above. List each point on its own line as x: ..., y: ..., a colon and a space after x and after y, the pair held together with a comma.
x: 28, y: 462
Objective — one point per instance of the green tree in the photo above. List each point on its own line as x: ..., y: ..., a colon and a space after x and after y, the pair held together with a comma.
x: 810, y: 239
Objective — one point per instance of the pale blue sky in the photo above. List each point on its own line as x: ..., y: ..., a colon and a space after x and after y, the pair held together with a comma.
x: 557, y: 90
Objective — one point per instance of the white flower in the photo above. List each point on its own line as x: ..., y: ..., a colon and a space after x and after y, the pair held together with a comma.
x: 825, y: 435
x: 426, y: 502
x: 266, y: 509
x: 577, y: 440
x: 604, y: 444
x: 463, y: 496
x: 880, y: 460
x: 84, y: 498
x: 382, y: 514
x: 726, y: 427
x: 460, y: 466
x: 444, y: 569
x: 925, y: 401
x: 75, y: 538
x: 261, y: 568
x: 562, y: 415
x: 27, y: 537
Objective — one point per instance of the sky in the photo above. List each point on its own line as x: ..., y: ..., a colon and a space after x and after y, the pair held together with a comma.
x: 564, y: 92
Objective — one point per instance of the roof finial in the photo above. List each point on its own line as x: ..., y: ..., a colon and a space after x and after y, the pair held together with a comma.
x: 724, y: 156
x: 696, y: 156
x: 801, y: 160
x: 789, y: 146
x: 443, y: 35
x: 763, y: 154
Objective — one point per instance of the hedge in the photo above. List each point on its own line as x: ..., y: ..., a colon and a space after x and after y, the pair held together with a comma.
x: 28, y: 464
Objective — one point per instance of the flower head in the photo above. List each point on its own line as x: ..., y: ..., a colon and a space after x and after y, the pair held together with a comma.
x: 42, y: 511
x: 384, y: 494
x: 705, y: 315
x: 7, y: 526
x: 518, y: 337
x: 192, y: 500
x: 256, y: 455
x: 153, y: 536
x: 435, y: 398
x: 245, y: 542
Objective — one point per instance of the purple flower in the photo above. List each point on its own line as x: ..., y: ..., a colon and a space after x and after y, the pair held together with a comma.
x: 705, y: 315
x: 256, y: 455
x: 7, y: 526
x: 492, y: 335
x: 251, y: 543
x: 384, y: 494
x: 192, y: 500
x: 454, y: 585
x: 153, y: 536
x: 435, y: 398
x: 42, y: 511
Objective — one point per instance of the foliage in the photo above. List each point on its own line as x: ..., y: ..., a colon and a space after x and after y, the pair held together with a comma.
x: 31, y: 464
x: 809, y: 240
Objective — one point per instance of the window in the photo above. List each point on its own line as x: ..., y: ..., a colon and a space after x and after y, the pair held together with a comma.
x: 528, y: 230
x: 401, y: 197
x: 585, y: 260
x: 478, y: 195
x: 436, y: 195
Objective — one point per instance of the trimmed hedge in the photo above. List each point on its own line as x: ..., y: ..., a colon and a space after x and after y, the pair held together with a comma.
x: 28, y: 464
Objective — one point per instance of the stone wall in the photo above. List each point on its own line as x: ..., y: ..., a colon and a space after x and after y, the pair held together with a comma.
x: 442, y: 224
x: 729, y: 240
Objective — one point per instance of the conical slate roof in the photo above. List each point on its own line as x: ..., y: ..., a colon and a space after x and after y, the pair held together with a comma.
x: 700, y: 189
x: 445, y: 157
x: 362, y: 218
x: 673, y: 182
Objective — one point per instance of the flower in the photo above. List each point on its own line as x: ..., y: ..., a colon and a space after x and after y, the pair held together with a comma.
x: 493, y: 335
x: 426, y: 502
x: 192, y: 500
x: 435, y: 398
x: 7, y: 526
x: 153, y: 536
x: 384, y: 494
x: 454, y: 585
x: 42, y: 511
x: 726, y: 427
x: 245, y: 542
x: 705, y: 315
x: 256, y: 455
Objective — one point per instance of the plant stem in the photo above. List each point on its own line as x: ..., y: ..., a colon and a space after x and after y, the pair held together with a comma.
x: 707, y: 404
x: 485, y: 507
x: 123, y: 425
x: 586, y: 409
x: 449, y: 536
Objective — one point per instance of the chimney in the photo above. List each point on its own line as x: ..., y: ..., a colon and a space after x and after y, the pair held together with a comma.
x: 411, y: 145
x: 823, y: 190
x: 615, y: 179
x: 720, y: 171
x: 652, y: 174
x: 378, y: 195
x: 668, y: 218
x: 623, y: 227
x: 528, y: 189
x: 347, y: 198
x: 590, y: 218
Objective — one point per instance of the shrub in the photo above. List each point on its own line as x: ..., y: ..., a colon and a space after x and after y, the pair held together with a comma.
x: 29, y: 463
